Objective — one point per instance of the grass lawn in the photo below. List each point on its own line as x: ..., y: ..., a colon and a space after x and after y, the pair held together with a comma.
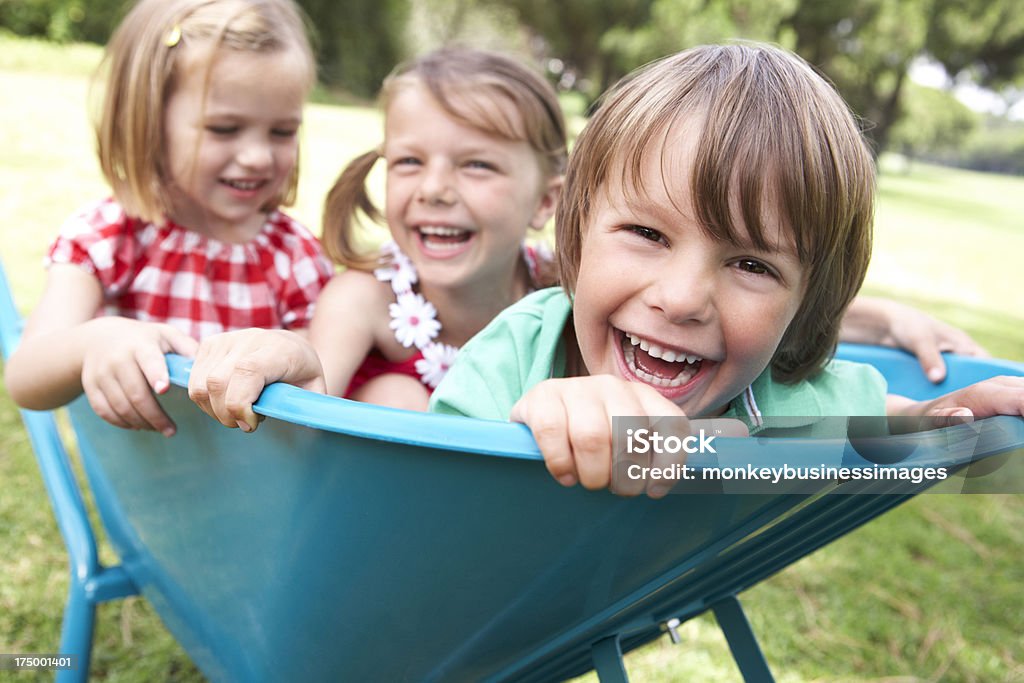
x: 929, y: 592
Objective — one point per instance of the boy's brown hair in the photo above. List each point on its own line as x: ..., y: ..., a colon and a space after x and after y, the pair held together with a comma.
x: 143, y: 61
x: 775, y: 134
x: 464, y: 82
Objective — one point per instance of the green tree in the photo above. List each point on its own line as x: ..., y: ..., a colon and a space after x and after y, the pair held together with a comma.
x: 677, y: 24
x: 572, y: 30
x: 865, y: 47
x: 982, y: 38
x: 358, y: 41
x: 934, y: 124
x: 63, y: 20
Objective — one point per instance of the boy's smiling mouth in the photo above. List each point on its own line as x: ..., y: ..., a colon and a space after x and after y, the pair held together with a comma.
x: 671, y: 371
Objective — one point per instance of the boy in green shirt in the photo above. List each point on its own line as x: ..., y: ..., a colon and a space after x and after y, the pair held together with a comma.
x: 714, y: 225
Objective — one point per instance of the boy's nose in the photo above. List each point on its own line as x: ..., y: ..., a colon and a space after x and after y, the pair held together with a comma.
x: 683, y: 292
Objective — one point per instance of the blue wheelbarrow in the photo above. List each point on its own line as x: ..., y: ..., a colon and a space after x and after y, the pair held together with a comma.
x: 286, y: 554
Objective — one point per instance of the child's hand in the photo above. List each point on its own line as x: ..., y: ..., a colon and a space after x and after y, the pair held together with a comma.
x: 996, y: 396
x: 231, y: 370
x: 571, y: 419
x: 889, y: 323
x: 123, y: 366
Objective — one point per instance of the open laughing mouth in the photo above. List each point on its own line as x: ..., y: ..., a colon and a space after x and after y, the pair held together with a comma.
x: 443, y: 239
x: 665, y: 369
x: 244, y: 188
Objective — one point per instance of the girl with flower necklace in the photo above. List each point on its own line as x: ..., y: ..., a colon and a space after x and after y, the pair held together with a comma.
x: 474, y: 146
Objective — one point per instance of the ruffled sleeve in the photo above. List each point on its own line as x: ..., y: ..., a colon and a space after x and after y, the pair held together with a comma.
x: 99, y: 239
x: 302, y: 269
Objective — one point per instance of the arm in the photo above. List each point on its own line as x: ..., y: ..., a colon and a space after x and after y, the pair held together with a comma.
x: 351, y: 319
x: 231, y: 369
x: 871, y: 320
x: 118, y: 362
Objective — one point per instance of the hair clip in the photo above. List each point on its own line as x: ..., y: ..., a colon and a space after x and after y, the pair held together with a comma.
x: 173, y: 36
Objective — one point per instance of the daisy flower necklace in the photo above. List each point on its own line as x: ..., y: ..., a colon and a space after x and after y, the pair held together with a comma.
x: 414, y: 319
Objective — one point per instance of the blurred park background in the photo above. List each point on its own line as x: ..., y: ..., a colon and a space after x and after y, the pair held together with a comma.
x: 895, y: 62
x: 930, y: 592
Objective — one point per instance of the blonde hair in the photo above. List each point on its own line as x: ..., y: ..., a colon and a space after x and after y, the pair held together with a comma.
x: 142, y: 63
x: 774, y: 135
x: 462, y: 81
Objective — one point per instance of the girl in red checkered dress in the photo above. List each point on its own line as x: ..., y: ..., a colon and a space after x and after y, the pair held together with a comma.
x: 198, y: 140
x: 474, y: 147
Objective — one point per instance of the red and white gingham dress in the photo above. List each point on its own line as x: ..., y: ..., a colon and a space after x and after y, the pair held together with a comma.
x: 199, y: 285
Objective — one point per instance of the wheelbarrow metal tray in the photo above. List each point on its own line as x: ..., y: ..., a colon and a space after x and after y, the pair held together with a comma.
x: 346, y: 541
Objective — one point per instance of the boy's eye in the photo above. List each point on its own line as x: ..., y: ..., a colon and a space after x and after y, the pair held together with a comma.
x: 284, y: 132
x: 478, y: 164
x: 646, y: 233
x: 222, y: 130
x: 754, y: 267
x: 406, y: 161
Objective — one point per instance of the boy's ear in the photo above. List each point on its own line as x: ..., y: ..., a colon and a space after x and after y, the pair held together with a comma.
x: 548, y: 201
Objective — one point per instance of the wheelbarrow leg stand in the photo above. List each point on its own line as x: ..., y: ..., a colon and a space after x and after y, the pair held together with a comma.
x: 742, y: 641
x: 76, y: 631
x: 607, y: 656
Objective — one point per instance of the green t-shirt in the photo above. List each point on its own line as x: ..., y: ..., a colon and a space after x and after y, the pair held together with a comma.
x: 523, y: 346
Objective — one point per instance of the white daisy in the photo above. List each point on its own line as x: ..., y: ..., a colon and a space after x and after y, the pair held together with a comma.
x: 437, y: 358
x: 414, y: 320
x: 397, y: 269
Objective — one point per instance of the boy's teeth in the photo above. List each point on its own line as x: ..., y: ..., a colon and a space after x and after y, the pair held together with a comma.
x: 658, y: 352
x: 686, y: 372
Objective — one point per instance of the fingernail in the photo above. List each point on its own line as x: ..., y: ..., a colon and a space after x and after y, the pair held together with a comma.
x: 160, y: 386
x: 935, y: 374
x: 567, y: 480
x: 243, y: 425
x: 660, y: 491
x: 169, y: 432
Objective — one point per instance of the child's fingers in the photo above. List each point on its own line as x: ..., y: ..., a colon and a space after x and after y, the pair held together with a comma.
x: 1003, y: 395
x: 209, y: 375
x: 945, y: 417
x: 101, y: 406
x: 123, y: 400
x: 628, y: 400
x: 928, y: 355
x: 233, y: 388
x: 151, y: 363
x: 673, y: 421
x: 590, y: 437
x: 960, y: 342
x: 542, y: 410
x: 153, y: 367
x: 996, y: 396
x: 173, y: 340
x: 137, y: 389
x: 102, y: 388
x: 198, y: 386
x: 665, y: 460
